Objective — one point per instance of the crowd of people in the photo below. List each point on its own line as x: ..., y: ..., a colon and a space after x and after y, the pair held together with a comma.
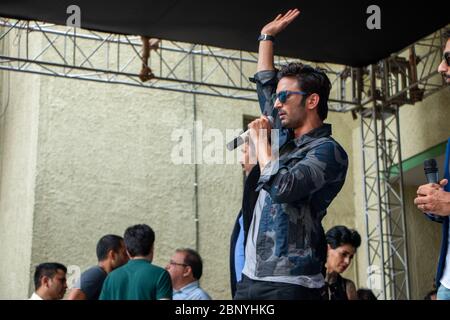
x: 125, y: 271
x: 278, y: 248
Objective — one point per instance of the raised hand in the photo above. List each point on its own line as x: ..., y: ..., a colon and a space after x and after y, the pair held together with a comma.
x: 280, y: 22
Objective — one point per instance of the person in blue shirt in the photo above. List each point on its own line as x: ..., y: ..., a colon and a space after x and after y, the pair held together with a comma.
x: 185, y: 269
x: 434, y: 199
x: 237, y: 249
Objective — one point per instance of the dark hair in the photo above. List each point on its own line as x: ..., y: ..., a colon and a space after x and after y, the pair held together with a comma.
x: 311, y: 80
x: 365, y: 294
x: 193, y: 260
x: 107, y: 243
x: 139, y: 240
x: 340, y: 235
x: 447, y: 34
x: 47, y: 269
x: 429, y: 294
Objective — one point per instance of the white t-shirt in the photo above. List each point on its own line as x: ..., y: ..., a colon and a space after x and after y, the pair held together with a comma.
x: 35, y: 296
x: 313, y: 281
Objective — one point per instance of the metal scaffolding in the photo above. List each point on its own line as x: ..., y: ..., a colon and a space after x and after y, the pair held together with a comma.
x: 86, y: 55
x: 404, y: 78
x: 386, y: 236
x: 375, y: 93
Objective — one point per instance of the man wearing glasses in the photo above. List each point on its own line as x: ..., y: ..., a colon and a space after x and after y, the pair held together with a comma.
x: 286, y: 196
x: 434, y: 199
x: 185, y: 269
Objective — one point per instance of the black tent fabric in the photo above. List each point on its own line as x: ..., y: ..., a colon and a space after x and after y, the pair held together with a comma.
x: 326, y: 31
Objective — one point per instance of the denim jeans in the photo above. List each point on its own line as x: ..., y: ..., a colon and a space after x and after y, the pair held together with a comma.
x: 249, y: 289
x: 443, y: 293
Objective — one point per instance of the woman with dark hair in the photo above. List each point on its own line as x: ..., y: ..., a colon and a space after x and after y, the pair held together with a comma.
x: 342, y: 244
x: 365, y: 294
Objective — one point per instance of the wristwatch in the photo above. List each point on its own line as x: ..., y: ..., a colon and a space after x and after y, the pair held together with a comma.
x: 264, y: 37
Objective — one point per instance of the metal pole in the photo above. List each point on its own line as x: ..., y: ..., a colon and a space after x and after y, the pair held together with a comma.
x: 402, y: 204
x: 378, y: 183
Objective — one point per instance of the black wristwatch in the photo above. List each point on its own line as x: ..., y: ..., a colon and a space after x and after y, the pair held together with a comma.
x: 264, y: 37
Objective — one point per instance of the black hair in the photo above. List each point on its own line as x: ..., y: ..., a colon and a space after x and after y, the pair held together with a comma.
x: 340, y: 235
x: 47, y: 269
x: 193, y: 260
x: 107, y: 243
x: 310, y: 80
x: 139, y: 239
x: 365, y: 294
x: 447, y: 34
x: 429, y: 294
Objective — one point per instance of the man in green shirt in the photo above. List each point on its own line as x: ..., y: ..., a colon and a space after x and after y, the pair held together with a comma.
x: 139, y: 279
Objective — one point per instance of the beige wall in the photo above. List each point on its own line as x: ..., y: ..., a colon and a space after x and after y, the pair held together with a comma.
x: 19, y: 112
x: 424, y: 238
x: 425, y: 124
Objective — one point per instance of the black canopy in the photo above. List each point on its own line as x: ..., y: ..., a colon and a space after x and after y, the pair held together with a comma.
x: 326, y: 31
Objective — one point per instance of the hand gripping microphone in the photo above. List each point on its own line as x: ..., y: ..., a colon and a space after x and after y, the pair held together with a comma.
x: 236, y: 142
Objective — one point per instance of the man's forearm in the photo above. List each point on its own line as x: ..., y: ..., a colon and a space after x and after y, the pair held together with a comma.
x: 265, y: 56
x: 264, y: 154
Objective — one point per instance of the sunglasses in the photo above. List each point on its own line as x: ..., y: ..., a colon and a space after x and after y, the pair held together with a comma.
x: 283, y: 95
x: 447, y: 58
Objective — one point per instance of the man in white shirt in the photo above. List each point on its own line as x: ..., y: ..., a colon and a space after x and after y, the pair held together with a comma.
x: 49, y: 281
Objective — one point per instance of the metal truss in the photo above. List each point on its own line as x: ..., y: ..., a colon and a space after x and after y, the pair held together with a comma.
x: 406, y: 77
x: 112, y: 58
x: 386, y: 237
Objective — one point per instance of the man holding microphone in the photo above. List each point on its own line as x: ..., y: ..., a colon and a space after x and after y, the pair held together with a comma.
x: 434, y: 199
x: 286, y: 196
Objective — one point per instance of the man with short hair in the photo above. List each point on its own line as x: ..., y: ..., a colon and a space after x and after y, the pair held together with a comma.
x: 434, y: 199
x: 111, y: 254
x: 185, y: 269
x: 139, y: 279
x: 49, y: 281
x: 286, y: 195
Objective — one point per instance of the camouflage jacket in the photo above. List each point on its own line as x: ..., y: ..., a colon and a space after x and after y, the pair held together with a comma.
x: 310, y: 172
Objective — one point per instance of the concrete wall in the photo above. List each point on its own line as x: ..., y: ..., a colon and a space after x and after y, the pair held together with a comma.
x: 19, y: 117
x: 425, y: 124
x: 424, y: 238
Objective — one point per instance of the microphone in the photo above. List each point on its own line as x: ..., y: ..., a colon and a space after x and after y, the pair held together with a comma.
x: 236, y: 142
x: 431, y: 171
